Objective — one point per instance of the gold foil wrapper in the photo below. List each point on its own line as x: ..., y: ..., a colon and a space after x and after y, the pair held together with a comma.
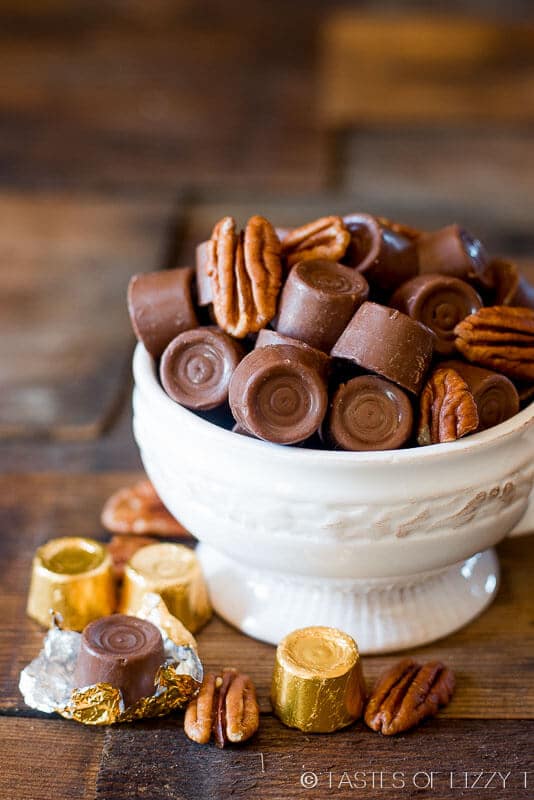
x: 47, y: 683
x: 173, y: 572
x: 73, y: 576
x: 318, y: 683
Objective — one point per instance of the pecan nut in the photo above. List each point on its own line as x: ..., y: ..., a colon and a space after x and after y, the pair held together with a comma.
x: 245, y: 271
x: 406, y: 694
x: 327, y: 237
x: 499, y: 338
x: 138, y: 509
x: 226, y: 707
x: 448, y: 409
x: 122, y: 547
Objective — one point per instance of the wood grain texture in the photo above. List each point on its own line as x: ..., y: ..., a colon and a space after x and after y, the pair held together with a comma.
x: 64, y: 324
x: 438, y: 68
x: 156, y: 760
x: 48, y: 759
x: 490, y: 656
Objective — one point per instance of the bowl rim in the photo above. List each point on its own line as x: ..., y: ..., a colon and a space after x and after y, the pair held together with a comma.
x: 146, y: 376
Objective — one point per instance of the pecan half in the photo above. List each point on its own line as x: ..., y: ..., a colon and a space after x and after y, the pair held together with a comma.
x: 138, y: 509
x: 406, y: 694
x: 499, y: 338
x: 121, y: 548
x: 226, y: 707
x: 326, y: 237
x: 245, y: 271
x: 448, y: 410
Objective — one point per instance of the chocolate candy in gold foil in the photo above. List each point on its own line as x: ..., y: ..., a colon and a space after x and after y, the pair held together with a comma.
x: 72, y: 576
x: 439, y: 302
x: 317, y: 684
x: 172, y: 571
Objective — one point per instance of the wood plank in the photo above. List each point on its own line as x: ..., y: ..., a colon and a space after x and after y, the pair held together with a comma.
x: 490, y: 656
x: 156, y: 760
x: 437, y: 68
x: 48, y: 759
x: 65, y: 329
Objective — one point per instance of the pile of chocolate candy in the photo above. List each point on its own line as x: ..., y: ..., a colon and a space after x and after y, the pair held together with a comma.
x: 352, y: 333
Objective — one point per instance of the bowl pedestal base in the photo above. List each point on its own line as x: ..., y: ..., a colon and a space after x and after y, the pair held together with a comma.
x: 382, y: 614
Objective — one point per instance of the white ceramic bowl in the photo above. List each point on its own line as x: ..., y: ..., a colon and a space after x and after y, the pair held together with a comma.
x: 393, y: 547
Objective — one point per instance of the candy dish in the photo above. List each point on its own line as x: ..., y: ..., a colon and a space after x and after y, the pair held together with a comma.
x: 393, y: 547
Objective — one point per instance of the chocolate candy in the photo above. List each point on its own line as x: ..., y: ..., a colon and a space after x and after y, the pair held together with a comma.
x: 318, y: 299
x: 317, y: 683
x: 173, y: 572
x: 277, y: 394
x: 495, y: 395
x: 440, y: 303
x: 383, y: 340
x: 383, y: 255
x: 124, y: 651
x: 204, y: 289
x: 317, y: 358
x: 369, y: 413
x: 161, y: 307
x: 197, y: 365
x: 73, y: 577
x: 453, y: 251
x: 510, y: 287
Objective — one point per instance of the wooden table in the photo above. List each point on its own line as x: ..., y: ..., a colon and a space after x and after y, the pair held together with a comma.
x: 127, y: 129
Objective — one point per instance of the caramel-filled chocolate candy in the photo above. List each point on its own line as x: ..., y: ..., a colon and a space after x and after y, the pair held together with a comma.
x: 368, y: 413
x: 124, y: 651
x: 317, y: 683
x: 453, y: 251
x: 317, y: 358
x: 277, y: 395
x: 317, y: 301
x: 386, y: 341
x: 161, y: 307
x: 383, y: 255
x: 204, y: 289
x: 439, y: 302
x: 495, y: 395
x: 509, y: 286
x: 73, y: 577
x: 197, y: 365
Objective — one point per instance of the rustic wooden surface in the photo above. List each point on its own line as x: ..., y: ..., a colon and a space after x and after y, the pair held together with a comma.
x: 126, y: 130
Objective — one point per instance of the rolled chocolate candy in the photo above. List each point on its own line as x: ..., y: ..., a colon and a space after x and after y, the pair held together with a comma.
x: 495, y: 395
x: 71, y: 576
x: 386, y: 257
x: 317, y: 683
x: 123, y: 651
x: 197, y: 365
x: 386, y: 341
x: 317, y: 358
x: 237, y: 428
x: 509, y: 286
x: 317, y: 301
x: 277, y: 395
x: 173, y: 572
x: 368, y: 413
x: 161, y: 307
x: 204, y: 290
x: 453, y: 251
x: 440, y: 303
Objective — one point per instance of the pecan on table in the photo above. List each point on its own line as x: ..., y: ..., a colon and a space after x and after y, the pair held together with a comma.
x: 138, y: 509
x: 246, y: 272
x: 327, y: 237
x: 406, y: 694
x: 448, y: 410
x: 499, y: 338
x: 226, y: 707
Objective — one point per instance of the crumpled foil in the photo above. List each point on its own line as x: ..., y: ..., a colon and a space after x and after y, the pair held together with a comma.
x: 47, y: 683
